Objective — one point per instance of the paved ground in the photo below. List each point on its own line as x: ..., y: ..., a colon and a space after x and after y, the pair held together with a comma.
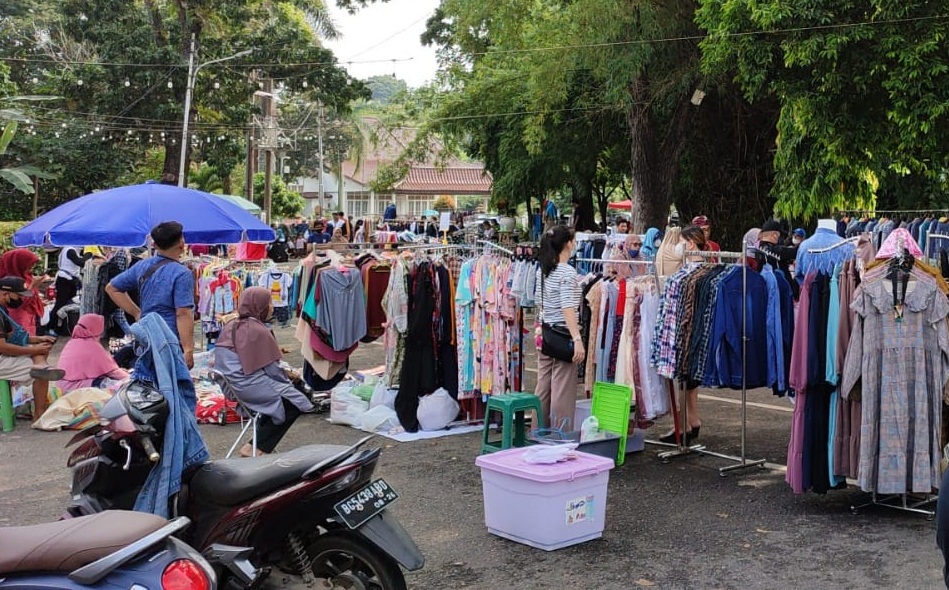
x: 668, y: 525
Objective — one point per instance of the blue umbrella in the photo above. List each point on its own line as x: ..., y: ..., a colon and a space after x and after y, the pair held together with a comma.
x: 124, y: 216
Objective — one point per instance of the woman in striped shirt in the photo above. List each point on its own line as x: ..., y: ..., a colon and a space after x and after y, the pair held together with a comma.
x: 559, y: 294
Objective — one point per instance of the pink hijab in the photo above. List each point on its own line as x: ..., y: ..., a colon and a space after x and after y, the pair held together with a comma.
x: 83, y: 357
x: 247, y: 336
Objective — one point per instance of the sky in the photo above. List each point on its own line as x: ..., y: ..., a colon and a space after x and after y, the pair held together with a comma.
x: 383, y: 32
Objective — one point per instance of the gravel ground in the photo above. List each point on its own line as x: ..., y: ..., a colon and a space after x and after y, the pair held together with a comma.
x: 668, y: 525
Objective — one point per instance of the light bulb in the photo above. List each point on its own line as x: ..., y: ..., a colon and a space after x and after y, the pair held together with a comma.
x: 79, y: 82
x: 217, y: 85
x: 97, y: 128
x: 36, y: 80
x: 127, y: 83
x: 170, y: 85
x: 305, y: 84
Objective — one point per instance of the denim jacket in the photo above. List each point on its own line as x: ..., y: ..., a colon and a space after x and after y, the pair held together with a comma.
x: 162, y: 364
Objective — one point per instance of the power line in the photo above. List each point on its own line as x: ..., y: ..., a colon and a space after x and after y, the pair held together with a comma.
x: 40, y: 60
x: 824, y: 27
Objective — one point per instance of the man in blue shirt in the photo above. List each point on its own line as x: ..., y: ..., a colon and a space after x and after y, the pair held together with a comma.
x: 317, y: 234
x: 165, y: 286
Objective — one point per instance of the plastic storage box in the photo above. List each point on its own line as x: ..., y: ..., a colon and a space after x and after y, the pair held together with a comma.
x: 544, y: 506
x: 607, y: 446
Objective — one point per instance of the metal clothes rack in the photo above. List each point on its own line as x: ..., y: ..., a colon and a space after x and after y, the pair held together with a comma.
x: 839, y: 244
x: 682, y: 449
x: 493, y: 246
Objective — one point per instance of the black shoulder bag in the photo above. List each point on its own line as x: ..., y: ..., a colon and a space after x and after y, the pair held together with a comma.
x: 556, y: 341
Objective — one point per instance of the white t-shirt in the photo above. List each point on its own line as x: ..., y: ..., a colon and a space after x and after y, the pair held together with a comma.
x: 279, y: 284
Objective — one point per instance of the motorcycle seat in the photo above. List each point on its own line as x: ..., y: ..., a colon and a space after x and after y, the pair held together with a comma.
x: 229, y: 482
x: 67, y: 545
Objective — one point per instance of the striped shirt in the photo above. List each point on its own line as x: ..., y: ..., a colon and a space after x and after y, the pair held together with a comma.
x: 561, y: 291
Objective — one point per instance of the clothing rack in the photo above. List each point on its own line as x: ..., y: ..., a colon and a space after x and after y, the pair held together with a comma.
x: 493, y: 246
x: 852, y: 240
x: 682, y: 449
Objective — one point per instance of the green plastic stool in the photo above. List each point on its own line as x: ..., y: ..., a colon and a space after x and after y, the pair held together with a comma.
x: 512, y: 407
x: 6, y: 406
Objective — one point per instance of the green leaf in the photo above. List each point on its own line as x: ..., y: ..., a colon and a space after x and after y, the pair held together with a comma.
x: 8, y: 132
x: 18, y: 179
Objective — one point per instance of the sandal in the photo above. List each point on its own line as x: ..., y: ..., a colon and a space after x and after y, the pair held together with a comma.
x: 47, y: 373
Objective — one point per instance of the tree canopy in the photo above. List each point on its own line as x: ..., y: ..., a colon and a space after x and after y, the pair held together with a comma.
x: 863, y: 88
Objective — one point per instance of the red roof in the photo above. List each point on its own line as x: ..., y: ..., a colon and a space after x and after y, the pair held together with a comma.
x: 451, y: 180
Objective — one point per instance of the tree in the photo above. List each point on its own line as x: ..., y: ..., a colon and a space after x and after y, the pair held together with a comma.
x: 283, y: 202
x: 385, y: 88
x: 863, y: 89
x: 120, y: 68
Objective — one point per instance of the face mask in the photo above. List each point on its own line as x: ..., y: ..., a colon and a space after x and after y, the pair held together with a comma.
x: 680, y: 250
x: 633, y: 253
x: 796, y: 241
x: 14, y: 303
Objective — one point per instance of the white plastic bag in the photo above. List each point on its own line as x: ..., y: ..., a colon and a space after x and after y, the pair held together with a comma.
x: 379, y: 419
x: 346, y: 408
x: 549, y: 454
x: 437, y: 410
x: 383, y: 396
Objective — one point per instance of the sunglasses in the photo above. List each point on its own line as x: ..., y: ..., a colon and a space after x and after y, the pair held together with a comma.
x: 636, y: 244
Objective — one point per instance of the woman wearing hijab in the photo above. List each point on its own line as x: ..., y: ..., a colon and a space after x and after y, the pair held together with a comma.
x: 651, y: 243
x: 20, y: 263
x: 84, y: 360
x: 246, y: 353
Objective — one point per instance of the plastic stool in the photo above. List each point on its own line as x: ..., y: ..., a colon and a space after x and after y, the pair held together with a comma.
x: 512, y: 407
x: 6, y: 406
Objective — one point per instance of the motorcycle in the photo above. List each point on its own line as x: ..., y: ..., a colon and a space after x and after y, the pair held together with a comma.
x: 307, y: 516
x: 112, y: 549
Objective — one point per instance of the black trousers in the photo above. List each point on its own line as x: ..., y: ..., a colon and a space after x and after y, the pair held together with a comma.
x: 66, y: 289
x: 269, y: 434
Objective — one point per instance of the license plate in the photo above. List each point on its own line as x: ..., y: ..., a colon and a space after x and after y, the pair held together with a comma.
x: 366, y: 503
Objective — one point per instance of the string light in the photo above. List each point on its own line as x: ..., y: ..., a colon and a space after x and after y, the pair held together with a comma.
x: 127, y: 83
x: 217, y: 85
x: 79, y: 82
x: 170, y: 84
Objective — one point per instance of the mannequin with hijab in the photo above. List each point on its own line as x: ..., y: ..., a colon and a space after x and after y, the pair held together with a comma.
x: 247, y: 354
x: 690, y: 239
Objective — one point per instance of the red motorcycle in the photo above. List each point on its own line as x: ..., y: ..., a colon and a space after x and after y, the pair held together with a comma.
x: 314, y: 514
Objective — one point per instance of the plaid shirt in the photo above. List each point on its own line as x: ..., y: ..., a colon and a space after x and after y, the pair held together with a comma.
x: 664, y: 354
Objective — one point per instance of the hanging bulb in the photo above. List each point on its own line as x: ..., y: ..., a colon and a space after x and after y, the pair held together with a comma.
x: 36, y: 80
x: 305, y: 84
x: 129, y: 132
x: 217, y: 85
x: 97, y: 128
x: 127, y: 83
x: 170, y: 85
x: 63, y: 125
x: 79, y: 82
x: 56, y: 134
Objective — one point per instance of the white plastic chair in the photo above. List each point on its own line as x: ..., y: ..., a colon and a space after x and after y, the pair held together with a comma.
x: 249, y: 418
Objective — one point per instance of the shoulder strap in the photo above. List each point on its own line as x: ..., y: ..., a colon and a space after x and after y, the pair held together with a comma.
x: 148, y: 273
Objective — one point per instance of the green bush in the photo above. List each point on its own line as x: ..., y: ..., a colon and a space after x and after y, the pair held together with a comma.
x: 7, y: 229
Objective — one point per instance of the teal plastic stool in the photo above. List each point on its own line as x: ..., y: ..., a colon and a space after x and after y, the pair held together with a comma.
x: 6, y: 406
x: 512, y: 407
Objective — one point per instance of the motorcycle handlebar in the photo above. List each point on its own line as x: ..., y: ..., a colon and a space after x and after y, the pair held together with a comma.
x: 149, y: 448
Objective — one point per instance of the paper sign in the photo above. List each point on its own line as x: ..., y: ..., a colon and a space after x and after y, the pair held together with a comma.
x: 579, y: 510
x: 444, y: 221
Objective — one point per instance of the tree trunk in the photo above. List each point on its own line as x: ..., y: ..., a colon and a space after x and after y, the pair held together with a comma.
x: 169, y: 173
x: 653, y: 164
x: 582, y: 198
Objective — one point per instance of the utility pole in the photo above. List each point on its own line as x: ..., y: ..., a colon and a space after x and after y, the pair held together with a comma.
x: 270, y: 113
x: 319, y: 133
